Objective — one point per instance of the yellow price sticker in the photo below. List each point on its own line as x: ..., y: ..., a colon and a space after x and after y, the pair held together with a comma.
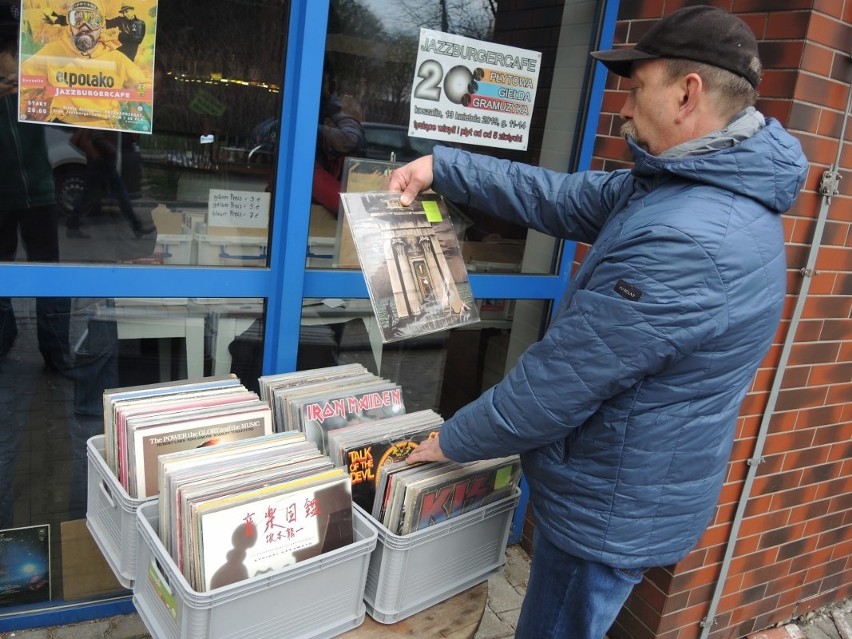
x: 433, y: 213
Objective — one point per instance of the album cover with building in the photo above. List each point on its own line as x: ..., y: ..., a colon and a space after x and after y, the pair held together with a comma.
x: 412, y: 263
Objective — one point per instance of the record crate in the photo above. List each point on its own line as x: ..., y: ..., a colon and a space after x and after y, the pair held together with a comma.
x: 410, y: 573
x: 111, y: 514
x: 317, y: 598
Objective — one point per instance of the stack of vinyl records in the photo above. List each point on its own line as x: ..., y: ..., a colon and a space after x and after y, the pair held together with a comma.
x: 143, y: 422
x: 321, y: 400
x: 238, y: 510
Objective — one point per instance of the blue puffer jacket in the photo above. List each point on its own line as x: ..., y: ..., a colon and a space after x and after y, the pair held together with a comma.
x: 625, y: 410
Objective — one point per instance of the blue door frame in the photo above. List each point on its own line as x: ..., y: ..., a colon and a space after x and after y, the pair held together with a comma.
x: 286, y: 282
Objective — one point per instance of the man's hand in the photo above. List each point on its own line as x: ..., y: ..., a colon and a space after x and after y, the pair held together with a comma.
x: 411, y: 179
x: 8, y: 85
x: 427, y: 450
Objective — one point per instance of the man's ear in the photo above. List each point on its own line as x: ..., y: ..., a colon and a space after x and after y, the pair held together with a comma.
x: 691, y: 87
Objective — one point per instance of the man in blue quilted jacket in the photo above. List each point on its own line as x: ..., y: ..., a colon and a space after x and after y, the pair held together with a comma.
x: 624, y: 412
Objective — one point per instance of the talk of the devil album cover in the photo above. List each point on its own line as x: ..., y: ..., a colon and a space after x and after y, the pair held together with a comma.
x: 24, y: 565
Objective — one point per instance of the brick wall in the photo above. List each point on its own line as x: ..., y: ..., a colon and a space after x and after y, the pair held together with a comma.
x: 793, y: 553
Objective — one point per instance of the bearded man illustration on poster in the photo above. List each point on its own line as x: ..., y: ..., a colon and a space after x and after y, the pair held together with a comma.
x: 75, y: 69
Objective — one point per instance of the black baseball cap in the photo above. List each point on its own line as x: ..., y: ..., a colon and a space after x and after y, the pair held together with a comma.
x: 700, y: 33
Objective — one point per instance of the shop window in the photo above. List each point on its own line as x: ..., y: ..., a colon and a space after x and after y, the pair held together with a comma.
x: 440, y: 371
x: 193, y: 185
x: 57, y: 357
x: 368, y: 78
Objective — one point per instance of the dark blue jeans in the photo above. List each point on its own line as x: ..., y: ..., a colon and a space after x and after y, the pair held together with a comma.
x: 571, y: 598
x: 37, y: 228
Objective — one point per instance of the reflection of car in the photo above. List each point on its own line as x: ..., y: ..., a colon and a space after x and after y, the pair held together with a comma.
x: 69, y: 166
x: 392, y: 142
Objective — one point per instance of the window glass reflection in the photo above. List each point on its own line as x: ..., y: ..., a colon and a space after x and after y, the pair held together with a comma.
x: 441, y: 371
x: 57, y: 356
x: 371, y: 51
x: 196, y: 191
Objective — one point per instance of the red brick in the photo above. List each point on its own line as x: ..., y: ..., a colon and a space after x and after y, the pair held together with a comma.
x: 841, y: 392
x: 796, y: 377
x: 842, y: 550
x: 776, y: 108
x: 754, y: 404
x: 834, y: 258
x: 829, y: 31
x: 779, y: 481
x: 843, y: 283
x: 805, y: 561
x: 785, y: 25
x: 801, y: 398
x: 816, y: 59
x: 842, y: 451
x: 836, y: 431
x: 764, y: 522
x: 820, y: 150
x: 792, y: 498
x: 814, y: 352
x: 632, y: 9
x: 822, y: 284
x: 782, y: 422
x: 690, y: 616
x: 801, y: 230
x: 779, y: 83
x: 839, y: 490
x: 785, y: 55
x: 808, y: 511
x: 832, y: 8
x: 811, y: 330
x: 810, y: 456
x: 830, y: 123
x: 826, y: 529
x: 759, y: 504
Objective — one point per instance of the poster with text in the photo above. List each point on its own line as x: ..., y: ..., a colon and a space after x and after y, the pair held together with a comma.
x: 472, y: 91
x: 87, y: 63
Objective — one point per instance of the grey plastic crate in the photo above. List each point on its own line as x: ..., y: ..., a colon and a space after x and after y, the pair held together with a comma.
x: 111, y: 514
x: 410, y: 573
x: 316, y: 598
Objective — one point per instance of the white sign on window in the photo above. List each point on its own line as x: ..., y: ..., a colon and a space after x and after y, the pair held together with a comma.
x: 244, y: 209
x: 472, y: 91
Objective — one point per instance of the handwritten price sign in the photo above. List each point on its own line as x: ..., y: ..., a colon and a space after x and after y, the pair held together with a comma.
x: 244, y: 209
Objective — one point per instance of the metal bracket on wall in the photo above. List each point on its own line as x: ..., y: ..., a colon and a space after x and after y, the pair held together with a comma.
x: 829, y: 186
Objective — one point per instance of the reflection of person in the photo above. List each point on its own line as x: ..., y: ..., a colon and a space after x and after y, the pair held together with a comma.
x: 84, y: 63
x: 28, y: 208
x: 100, y: 148
x: 27, y: 204
x: 340, y: 134
x: 624, y: 412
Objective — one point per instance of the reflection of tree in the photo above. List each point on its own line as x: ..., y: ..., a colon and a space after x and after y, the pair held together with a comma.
x: 372, y: 57
x: 471, y: 18
x: 234, y: 39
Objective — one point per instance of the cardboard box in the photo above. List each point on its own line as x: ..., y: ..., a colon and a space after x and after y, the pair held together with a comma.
x: 499, y: 256
x: 85, y: 571
x: 168, y: 222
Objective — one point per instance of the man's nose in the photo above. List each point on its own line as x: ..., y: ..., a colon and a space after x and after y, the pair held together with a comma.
x: 626, y: 111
